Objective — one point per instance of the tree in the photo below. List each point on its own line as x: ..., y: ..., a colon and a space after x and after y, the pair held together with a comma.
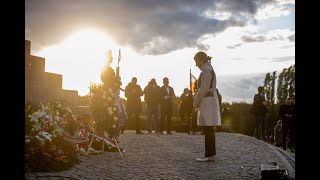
x: 269, y: 86
x: 280, y: 87
x: 292, y: 82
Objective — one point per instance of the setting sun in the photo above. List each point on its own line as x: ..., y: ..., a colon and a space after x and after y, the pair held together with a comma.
x: 80, y: 57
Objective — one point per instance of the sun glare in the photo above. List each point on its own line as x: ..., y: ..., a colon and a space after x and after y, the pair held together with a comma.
x: 80, y: 58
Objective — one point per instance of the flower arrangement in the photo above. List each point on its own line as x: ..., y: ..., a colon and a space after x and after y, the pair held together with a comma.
x: 51, y: 129
x: 104, y: 109
x: 46, y: 147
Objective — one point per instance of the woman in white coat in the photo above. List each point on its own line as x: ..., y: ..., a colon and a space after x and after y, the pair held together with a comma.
x: 207, y: 102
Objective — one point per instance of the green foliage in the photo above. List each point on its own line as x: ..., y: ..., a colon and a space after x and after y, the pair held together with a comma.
x: 238, y: 118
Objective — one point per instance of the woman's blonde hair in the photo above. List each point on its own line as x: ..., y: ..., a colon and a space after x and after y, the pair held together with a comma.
x: 202, y: 56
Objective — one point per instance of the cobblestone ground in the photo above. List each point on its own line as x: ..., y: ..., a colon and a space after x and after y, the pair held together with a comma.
x: 162, y: 156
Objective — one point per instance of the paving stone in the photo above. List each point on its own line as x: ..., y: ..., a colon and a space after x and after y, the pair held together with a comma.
x: 164, y: 156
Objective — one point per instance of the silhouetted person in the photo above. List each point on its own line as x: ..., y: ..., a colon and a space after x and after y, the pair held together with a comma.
x: 134, y: 106
x: 207, y: 102
x: 286, y: 112
x: 111, y: 82
x: 277, y: 131
x: 166, y: 94
x: 152, y: 98
x: 260, y: 111
x: 185, y: 107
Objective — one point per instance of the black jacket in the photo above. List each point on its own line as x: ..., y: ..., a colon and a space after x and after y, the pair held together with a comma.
x: 258, y: 107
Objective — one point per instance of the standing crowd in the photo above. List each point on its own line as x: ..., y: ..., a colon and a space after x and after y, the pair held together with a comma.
x: 159, y: 106
x: 284, y: 126
x: 201, y: 109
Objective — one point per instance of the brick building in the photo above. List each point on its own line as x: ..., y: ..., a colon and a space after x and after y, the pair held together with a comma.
x: 41, y: 86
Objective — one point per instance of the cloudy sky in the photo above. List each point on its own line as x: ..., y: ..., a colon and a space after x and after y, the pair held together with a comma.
x: 246, y: 38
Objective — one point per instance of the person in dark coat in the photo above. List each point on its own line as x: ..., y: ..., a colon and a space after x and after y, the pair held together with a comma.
x: 185, y: 108
x: 286, y: 112
x: 133, y: 92
x: 277, y: 131
x: 260, y: 111
x: 166, y: 96
x: 152, y: 98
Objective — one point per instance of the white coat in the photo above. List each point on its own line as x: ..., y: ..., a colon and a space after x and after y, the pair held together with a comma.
x: 208, y: 107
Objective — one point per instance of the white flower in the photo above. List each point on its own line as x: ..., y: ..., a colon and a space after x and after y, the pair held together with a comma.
x: 109, y: 109
x: 110, y: 90
x: 34, y: 118
x: 109, y: 98
x: 27, y: 140
x: 114, y: 126
x: 114, y: 109
x: 59, y: 105
x: 46, y: 135
x: 36, y: 115
x: 104, y: 96
x: 115, y: 118
x: 57, y: 113
x: 39, y: 138
x: 37, y: 127
x: 110, y: 112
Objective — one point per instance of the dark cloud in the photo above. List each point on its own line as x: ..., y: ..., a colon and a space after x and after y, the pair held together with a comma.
x: 247, y: 38
x: 234, y: 46
x: 261, y: 38
x: 240, y: 87
x: 149, y: 26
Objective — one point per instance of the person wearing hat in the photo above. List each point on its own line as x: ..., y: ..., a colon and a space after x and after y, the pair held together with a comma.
x: 207, y: 102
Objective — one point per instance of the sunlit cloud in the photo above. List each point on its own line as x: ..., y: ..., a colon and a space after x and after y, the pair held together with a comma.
x: 277, y: 9
x: 159, y: 39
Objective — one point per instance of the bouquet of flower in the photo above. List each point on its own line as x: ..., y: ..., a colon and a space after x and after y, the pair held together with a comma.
x: 46, y: 148
x: 104, y: 109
